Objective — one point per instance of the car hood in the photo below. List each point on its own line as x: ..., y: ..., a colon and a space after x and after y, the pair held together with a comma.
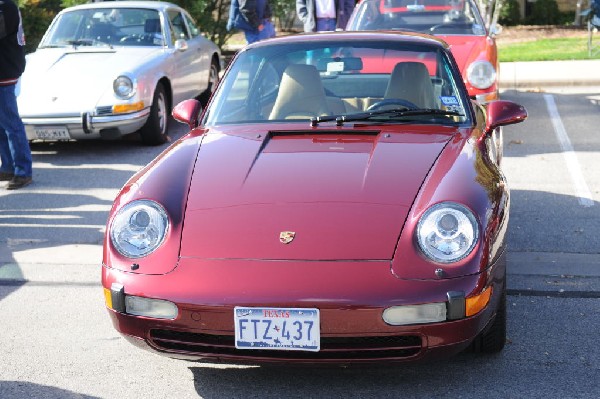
x: 466, y: 49
x: 342, y: 194
x: 65, y: 82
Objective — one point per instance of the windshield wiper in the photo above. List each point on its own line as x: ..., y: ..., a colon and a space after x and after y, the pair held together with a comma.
x: 88, y: 42
x: 396, y: 112
x: 80, y: 42
x: 54, y: 46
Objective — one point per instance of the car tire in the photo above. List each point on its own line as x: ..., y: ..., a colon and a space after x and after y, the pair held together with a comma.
x: 213, y: 79
x: 154, y: 132
x: 493, y: 338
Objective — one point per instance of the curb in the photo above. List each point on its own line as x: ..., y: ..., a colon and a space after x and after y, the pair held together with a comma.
x: 516, y: 75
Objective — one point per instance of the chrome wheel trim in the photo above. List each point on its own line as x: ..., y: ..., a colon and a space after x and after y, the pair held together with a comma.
x: 161, y: 112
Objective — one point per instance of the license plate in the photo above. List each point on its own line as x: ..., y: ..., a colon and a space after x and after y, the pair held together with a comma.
x: 52, y: 133
x: 277, y: 328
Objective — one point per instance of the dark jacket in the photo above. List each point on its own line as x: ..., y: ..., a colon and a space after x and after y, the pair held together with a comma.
x: 12, y: 43
x: 247, y: 15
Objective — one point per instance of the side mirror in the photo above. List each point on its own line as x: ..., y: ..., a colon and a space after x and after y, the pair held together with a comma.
x: 502, y: 112
x: 188, y: 112
x: 181, y: 45
x: 495, y: 30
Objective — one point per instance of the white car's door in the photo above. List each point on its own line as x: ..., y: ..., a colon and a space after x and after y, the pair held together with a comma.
x: 207, y: 50
x: 191, y: 61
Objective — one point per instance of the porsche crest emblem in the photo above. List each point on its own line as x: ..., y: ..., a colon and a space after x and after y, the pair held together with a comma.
x: 285, y: 237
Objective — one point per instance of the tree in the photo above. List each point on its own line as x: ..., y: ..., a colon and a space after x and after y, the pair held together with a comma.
x: 211, y: 16
x: 544, y: 12
x: 37, y: 15
x: 510, y: 14
x: 285, y: 13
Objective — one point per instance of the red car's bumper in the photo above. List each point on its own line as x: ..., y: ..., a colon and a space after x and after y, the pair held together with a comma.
x: 351, y: 297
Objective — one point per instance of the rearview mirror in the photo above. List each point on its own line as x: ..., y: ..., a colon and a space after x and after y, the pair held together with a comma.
x: 338, y: 64
x: 502, y: 112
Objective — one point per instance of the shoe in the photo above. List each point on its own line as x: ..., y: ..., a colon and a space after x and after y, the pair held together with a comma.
x: 18, y: 182
x: 5, y: 176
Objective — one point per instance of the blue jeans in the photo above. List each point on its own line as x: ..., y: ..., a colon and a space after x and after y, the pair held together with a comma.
x: 15, y: 153
x: 267, y: 32
x: 325, y: 24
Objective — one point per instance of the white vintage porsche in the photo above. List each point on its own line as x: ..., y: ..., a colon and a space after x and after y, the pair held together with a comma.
x: 104, y: 70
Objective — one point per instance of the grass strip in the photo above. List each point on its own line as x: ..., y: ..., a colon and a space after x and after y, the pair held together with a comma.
x: 558, y: 49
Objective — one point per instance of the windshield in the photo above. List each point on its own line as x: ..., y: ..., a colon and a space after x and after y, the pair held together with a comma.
x: 444, y: 17
x: 106, y: 26
x: 304, y: 81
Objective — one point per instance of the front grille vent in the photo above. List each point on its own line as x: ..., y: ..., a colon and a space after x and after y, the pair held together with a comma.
x: 332, y: 348
x: 106, y: 110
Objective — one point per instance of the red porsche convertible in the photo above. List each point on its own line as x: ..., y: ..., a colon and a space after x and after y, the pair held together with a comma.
x: 319, y: 212
x: 457, y: 22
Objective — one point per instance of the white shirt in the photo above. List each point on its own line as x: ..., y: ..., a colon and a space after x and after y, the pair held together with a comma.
x: 325, y: 8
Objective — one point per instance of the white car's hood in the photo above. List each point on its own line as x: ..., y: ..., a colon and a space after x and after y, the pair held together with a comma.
x: 59, y: 82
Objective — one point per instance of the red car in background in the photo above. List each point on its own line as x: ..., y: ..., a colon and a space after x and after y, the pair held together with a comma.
x: 457, y: 22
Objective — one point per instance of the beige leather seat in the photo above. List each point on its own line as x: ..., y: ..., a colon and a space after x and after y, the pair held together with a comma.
x: 410, y: 81
x: 301, y: 94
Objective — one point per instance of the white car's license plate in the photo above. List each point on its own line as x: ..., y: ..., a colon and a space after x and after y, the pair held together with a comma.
x: 277, y: 328
x: 52, y: 133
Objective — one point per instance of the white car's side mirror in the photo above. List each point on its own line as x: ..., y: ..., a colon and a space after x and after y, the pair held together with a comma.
x: 181, y: 45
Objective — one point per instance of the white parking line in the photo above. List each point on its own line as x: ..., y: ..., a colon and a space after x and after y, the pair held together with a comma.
x: 583, y: 192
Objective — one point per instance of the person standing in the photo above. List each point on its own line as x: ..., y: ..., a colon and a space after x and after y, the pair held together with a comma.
x: 15, y: 154
x: 324, y: 15
x: 253, y: 17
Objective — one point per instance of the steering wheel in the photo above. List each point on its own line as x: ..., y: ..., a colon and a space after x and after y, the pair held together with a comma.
x: 393, y: 101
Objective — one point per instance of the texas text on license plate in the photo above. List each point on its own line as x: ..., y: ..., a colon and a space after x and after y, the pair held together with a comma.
x: 277, y: 328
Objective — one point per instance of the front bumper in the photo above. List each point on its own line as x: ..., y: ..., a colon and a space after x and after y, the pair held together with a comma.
x: 87, y: 125
x: 352, y: 328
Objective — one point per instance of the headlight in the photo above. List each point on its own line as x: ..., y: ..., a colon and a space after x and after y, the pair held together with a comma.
x: 139, y: 228
x: 481, y: 74
x: 124, y: 87
x: 447, y: 232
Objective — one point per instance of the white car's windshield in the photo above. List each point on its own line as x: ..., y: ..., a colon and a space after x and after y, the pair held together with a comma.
x: 106, y: 26
x: 353, y: 80
x: 454, y: 17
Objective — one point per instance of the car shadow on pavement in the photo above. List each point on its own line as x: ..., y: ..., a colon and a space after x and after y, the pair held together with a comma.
x: 22, y: 219
x: 7, y: 287
x: 21, y: 389
x: 543, y: 221
x: 75, y: 183
x: 514, y: 373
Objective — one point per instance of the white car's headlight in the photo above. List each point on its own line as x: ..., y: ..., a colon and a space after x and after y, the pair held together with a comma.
x: 481, y: 74
x: 124, y: 87
x: 447, y: 232
x: 139, y: 228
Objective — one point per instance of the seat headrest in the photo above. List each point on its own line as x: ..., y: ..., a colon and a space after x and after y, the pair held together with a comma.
x: 152, y: 25
x: 411, y: 81
x: 301, y: 94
